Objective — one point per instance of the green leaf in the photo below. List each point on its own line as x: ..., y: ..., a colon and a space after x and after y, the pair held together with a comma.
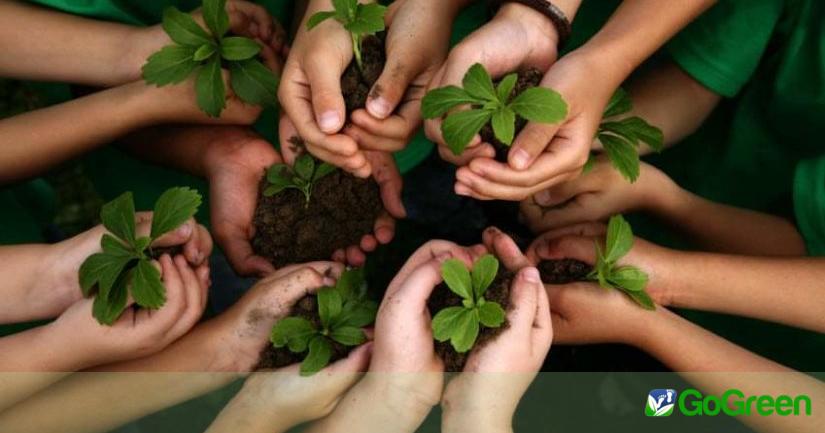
x: 457, y: 278
x: 320, y: 351
x: 107, y: 309
x: 101, y: 269
x: 504, y: 125
x: 539, y: 104
x: 491, y: 314
x: 505, y: 88
x: 620, y: 103
x: 589, y: 165
x: 369, y: 19
x: 118, y: 216
x: 329, y: 306
x: 643, y: 299
x: 445, y: 322
x: 294, y: 332
x: 484, y: 272
x: 460, y: 128
x: 304, y: 166
x: 318, y: 18
x: 173, y: 208
x: 438, y: 102
x: 622, y: 155
x: 278, y: 172
x: 142, y: 243
x: 478, y: 84
x: 351, y: 284
x: 466, y: 331
x: 204, y: 52
x: 115, y: 247
x: 345, y: 9
x: 171, y: 65
x: 619, y: 239
x: 216, y: 17
x: 348, y: 335
x: 254, y: 83
x: 647, y: 133
x: 237, y: 48
x: 628, y: 278
x: 211, y: 93
x: 622, y: 130
x: 147, y: 289
x: 324, y: 169
x: 358, y: 314
x: 183, y: 29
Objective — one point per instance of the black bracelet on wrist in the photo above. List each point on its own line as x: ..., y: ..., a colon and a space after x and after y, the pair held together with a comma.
x: 548, y: 9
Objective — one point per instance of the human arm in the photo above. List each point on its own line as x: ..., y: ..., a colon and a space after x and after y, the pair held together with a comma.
x: 602, y: 192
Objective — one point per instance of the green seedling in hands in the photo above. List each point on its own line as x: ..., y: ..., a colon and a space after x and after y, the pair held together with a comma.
x: 206, y: 53
x: 461, y: 324
x: 125, y: 265
x: 489, y: 104
x: 359, y: 20
x: 628, y: 279
x: 302, y: 176
x: 621, y: 138
x: 343, y: 310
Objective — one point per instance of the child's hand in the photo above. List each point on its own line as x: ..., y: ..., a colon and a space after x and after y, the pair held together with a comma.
x: 596, y: 196
x: 60, y: 287
x: 482, y: 394
x: 138, y: 332
x: 578, y: 242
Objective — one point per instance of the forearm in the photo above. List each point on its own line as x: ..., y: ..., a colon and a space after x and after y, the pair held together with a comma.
x: 16, y: 387
x: 22, y: 268
x: 64, y: 407
x: 715, y: 365
x: 782, y: 290
x: 725, y: 229
x: 245, y: 414
x: 39, y: 349
x: 45, y: 45
x: 36, y: 141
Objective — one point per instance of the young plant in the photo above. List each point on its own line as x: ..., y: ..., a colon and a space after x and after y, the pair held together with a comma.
x: 621, y: 138
x: 125, y: 265
x: 359, y: 20
x: 302, y: 176
x: 461, y: 324
x: 343, y: 311
x: 628, y: 279
x: 489, y: 104
x: 205, y: 53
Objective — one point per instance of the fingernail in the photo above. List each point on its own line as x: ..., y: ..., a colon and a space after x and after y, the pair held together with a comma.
x: 531, y: 275
x: 329, y: 121
x: 543, y: 197
x: 462, y: 190
x: 379, y: 107
x: 329, y: 281
x: 521, y: 159
x: 185, y: 230
x: 199, y: 257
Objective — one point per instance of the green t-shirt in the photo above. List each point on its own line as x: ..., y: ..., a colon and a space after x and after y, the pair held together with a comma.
x: 809, y: 203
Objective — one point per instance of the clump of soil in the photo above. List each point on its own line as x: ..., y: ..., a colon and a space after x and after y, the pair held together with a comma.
x: 307, y: 308
x: 563, y: 271
x: 343, y: 208
x: 443, y: 297
x: 526, y: 79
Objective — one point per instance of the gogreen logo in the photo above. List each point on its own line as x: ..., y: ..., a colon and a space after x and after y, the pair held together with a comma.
x: 660, y: 402
x: 732, y: 402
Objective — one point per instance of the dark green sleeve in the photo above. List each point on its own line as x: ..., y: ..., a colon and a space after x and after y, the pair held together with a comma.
x: 723, y: 47
x: 809, y: 203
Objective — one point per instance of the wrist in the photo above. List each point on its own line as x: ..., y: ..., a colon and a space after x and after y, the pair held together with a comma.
x: 241, y: 147
x: 544, y: 34
x: 404, y: 398
x: 475, y: 410
x: 137, y: 44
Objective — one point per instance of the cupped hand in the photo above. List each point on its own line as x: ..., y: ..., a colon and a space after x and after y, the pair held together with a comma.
x: 236, y: 161
x: 138, y: 332
x: 517, y: 37
x: 594, y: 196
x: 579, y: 242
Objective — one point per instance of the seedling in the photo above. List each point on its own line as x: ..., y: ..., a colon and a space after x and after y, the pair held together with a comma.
x: 125, y: 265
x: 489, y: 104
x: 360, y: 20
x: 628, y: 279
x: 302, y: 176
x: 205, y: 53
x: 621, y: 138
x: 343, y: 311
x: 461, y: 324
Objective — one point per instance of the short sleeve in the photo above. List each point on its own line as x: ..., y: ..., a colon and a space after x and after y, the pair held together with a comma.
x: 723, y: 47
x: 809, y: 203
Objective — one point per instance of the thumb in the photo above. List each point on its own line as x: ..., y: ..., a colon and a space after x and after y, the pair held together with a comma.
x: 391, y: 86
x: 530, y: 143
x: 566, y: 247
x: 327, y: 99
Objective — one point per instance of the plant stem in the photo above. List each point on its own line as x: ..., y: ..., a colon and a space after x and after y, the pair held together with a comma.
x: 356, y: 49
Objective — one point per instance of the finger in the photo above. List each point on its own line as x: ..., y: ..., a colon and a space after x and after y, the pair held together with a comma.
x: 280, y: 294
x: 413, y: 292
x: 566, y: 191
x: 199, y: 247
x: 176, y: 295
x: 357, y: 361
x: 194, y: 299
x: 357, y: 164
x: 368, y: 243
x: 256, y: 13
x: 386, y: 175
x: 579, y: 211
x: 530, y: 143
x: 369, y: 141
x: 355, y: 257
x: 565, y: 247
x: 505, y: 248
x: 481, y: 186
x: 426, y: 252
x: 524, y: 300
x: 324, y: 78
x: 339, y: 256
x: 464, y: 190
x: 399, y: 71
x: 330, y: 270
x: 394, y: 127
x: 543, y: 323
x: 203, y: 273
x: 179, y: 236
x: 235, y: 242
x: 550, y: 165
x: 384, y: 228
